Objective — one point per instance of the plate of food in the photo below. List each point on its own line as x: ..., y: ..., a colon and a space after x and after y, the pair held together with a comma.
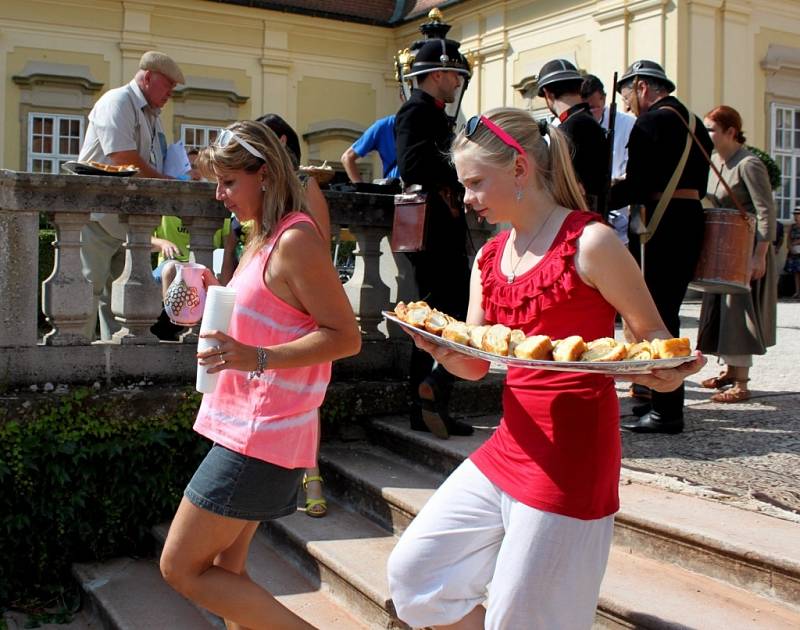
x: 98, y: 168
x: 323, y: 174
x: 513, y: 348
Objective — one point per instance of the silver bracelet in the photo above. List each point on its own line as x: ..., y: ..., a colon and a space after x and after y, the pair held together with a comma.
x: 261, y: 363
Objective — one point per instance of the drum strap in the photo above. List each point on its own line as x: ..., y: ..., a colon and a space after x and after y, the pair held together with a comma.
x: 722, y: 181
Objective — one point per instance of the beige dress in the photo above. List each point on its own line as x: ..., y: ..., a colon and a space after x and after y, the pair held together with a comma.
x: 743, y: 324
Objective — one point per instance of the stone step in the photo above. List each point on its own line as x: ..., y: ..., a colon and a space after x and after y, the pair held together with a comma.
x: 640, y: 592
x: 742, y: 548
x: 350, y: 553
x: 128, y: 594
x: 346, y: 552
x: 307, y: 598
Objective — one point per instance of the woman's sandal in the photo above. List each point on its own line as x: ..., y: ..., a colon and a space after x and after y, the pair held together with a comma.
x: 718, y: 382
x: 733, y: 394
x: 315, y: 508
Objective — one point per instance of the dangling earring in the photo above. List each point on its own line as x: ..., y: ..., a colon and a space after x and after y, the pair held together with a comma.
x: 263, y: 187
x: 519, y: 194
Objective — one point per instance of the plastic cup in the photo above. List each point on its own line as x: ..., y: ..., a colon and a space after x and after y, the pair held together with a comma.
x: 216, y: 316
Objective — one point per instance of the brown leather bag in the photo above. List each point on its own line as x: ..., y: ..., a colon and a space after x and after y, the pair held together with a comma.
x: 409, y: 228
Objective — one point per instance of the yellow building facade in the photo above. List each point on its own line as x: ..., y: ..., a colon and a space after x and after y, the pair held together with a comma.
x: 330, y: 78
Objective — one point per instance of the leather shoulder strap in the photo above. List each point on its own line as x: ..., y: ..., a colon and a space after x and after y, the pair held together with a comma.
x: 666, y: 196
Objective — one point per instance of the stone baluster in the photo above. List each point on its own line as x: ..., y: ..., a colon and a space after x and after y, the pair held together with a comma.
x: 67, y: 294
x: 367, y: 292
x: 19, y: 268
x: 201, y: 238
x: 135, y: 296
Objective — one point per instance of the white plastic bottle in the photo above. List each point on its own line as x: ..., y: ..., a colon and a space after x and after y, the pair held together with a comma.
x: 216, y: 316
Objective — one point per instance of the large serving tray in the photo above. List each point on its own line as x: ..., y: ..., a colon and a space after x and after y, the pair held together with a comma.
x: 599, y: 367
x: 82, y: 168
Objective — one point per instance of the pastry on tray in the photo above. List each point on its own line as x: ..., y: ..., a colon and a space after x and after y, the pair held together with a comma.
x: 501, y: 340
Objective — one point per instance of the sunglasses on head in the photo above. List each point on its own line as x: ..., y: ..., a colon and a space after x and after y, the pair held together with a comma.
x: 225, y: 137
x: 472, y: 125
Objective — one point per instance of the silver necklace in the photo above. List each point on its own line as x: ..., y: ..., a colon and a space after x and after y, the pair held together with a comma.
x: 513, y: 275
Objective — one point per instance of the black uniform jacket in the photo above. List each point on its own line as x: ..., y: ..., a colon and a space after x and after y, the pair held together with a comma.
x: 591, y: 154
x: 655, y: 146
x: 423, y: 135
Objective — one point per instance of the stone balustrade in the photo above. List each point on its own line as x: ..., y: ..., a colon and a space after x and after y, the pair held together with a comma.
x: 64, y: 354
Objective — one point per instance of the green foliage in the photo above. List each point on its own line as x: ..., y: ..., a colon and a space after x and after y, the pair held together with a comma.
x: 773, y: 169
x: 82, y: 482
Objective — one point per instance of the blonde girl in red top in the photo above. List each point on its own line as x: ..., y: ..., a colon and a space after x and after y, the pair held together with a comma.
x: 531, y: 512
x: 290, y: 321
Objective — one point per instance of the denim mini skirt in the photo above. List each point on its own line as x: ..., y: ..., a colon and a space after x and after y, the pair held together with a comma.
x: 237, y: 486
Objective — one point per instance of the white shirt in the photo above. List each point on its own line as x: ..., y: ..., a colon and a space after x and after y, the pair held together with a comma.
x: 122, y: 120
x: 623, y: 124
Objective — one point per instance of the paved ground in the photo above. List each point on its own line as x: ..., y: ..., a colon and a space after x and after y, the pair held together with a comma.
x: 747, y: 454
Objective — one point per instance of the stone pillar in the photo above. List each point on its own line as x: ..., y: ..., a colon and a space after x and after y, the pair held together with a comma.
x: 19, y: 268
x: 135, y: 296
x: 201, y: 238
x: 366, y: 291
x: 67, y: 294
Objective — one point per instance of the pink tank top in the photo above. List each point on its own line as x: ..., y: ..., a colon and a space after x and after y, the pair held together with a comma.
x: 275, y: 417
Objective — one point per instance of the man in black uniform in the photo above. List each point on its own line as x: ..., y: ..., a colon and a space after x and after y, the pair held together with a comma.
x: 423, y: 133
x: 559, y: 84
x: 656, y: 144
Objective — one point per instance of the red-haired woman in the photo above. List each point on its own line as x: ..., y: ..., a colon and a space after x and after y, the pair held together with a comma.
x: 737, y: 326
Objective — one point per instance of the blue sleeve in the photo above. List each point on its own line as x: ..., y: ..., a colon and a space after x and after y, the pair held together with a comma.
x: 368, y: 140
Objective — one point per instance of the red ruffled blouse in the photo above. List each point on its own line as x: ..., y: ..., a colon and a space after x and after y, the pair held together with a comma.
x: 557, y: 448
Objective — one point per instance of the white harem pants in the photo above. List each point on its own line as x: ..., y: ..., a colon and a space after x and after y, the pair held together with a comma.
x: 544, y: 569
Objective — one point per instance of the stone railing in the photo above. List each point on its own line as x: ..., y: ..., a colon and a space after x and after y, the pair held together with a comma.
x: 65, y: 355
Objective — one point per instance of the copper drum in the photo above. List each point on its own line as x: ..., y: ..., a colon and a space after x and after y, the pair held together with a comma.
x: 726, y: 258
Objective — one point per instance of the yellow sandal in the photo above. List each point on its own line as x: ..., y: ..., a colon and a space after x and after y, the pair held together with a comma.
x: 315, y: 508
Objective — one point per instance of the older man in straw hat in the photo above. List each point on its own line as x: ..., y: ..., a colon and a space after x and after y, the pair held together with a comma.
x: 124, y: 128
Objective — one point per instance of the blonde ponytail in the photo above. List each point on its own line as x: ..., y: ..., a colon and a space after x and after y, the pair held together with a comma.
x: 564, y: 184
x: 553, y: 163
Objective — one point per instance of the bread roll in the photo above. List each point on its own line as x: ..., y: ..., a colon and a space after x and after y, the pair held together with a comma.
x: 516, y: 338
x: 456, y: 331
x: 476, y: 334
x: 534, y: 348
x: 604, y: 349
x: 496, y: 340
x: 639, y: 351
x: 416, y: 315
x: 569, y: 349
x: 401, y: 310
x: 671, y: 348
x: 436, y: 321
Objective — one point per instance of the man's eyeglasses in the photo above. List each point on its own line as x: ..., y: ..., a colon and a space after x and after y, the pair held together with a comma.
x: 226, y: 135
x: 472, y: 125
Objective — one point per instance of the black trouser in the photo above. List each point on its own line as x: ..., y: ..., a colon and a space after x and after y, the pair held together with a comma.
x: 670, y: 260
x: 442, y: 277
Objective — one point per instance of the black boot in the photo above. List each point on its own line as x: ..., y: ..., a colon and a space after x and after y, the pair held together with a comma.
x: 433, y: 402
x: 640, y: 410
x: 652, y: 422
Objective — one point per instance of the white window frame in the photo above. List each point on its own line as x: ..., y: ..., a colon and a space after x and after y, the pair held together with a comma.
x: 786, y: 157
x: 206, y: 131
x: 54, y: 157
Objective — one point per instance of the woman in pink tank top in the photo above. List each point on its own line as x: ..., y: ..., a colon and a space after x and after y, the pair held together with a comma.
x: 531, y: 512
x: 290, y: 321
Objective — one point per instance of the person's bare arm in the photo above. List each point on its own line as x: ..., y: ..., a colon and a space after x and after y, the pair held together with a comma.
x: 318, y: 208
x: 301, y: 272
x: 228, y: 258
x: 349, y: 158
x: 121, y: 158
x: 604, y: 263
